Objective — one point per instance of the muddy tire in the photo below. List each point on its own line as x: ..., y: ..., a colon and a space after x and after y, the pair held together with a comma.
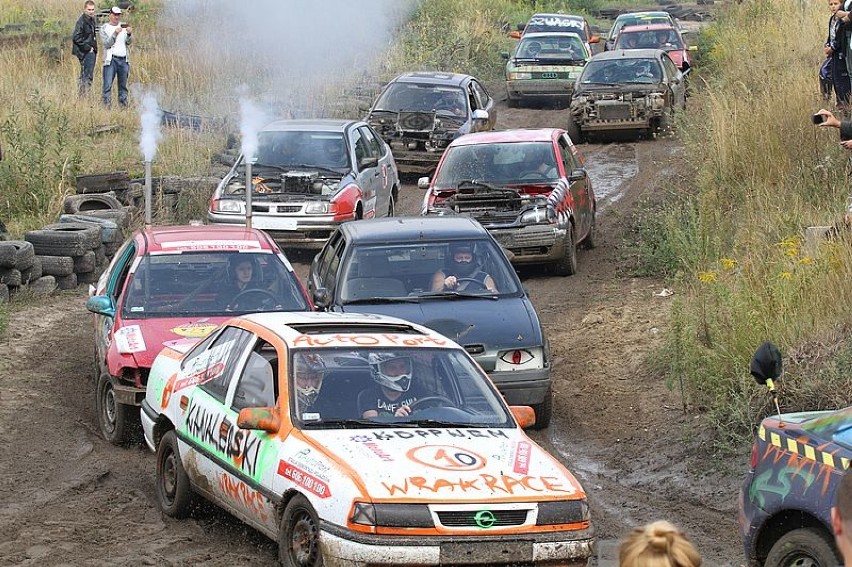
x: 85, y: 263
x: 7, y: 255
x: 392, y: 204
x: 75, y: 204
x: 10, y: 277
x: 299, y: 535
x: 543, y: 411
x: 113, y: 417
x: 567, y: 265
x: 66, y: 282
x: 174, y: 492
x: 574, y: 131
x: 22, y: 254
x: 805, y: 546
x: 591, y: 240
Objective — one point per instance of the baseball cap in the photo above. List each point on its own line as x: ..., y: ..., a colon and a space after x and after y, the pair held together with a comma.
x: 115, y: 10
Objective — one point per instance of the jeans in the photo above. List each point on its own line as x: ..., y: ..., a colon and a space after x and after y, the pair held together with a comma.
x: 120, y: 68
x: 87, y: 72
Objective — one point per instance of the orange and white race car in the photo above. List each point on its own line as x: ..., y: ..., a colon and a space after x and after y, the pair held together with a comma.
x: 358, y: 439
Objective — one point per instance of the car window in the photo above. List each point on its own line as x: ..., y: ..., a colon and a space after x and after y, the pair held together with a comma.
x: 325, y: 259
x: 556, y: 47
x: 120, y: 269
x: 362, y: 149
x: 381, y: 147
x: 483, y: 99
x: 331, y: 272
x: 497, y: 163
x: 670, y: 68
x: 413, y: 97
x: 568, y: 160
x: 301, y: 148
x: 221, y: 361
x: 621, y: 71
x: 372, y: 144
x: 258, y: 385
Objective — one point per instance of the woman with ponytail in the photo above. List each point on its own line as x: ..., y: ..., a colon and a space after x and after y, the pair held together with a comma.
x: 658, y: 544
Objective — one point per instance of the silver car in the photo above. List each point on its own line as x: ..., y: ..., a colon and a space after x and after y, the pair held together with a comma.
x: 309, y: 176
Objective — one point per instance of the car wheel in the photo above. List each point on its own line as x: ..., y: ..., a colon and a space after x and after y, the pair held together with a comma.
x: 174, y: 492
x: 391, y: 204
x: 567, y: 264
x: 574, y: 131
x: 298, y: 536
x: 543, y: 411
x: 113, y: 417
x: 805, y: 547
x: 590, y: 241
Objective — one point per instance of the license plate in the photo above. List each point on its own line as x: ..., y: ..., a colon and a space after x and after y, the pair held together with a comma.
x: 497, y: 552
x: 273, y: 223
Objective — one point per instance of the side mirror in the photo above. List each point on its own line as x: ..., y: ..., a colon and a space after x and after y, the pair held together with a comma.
x: 524, y: 415
x: 423, y: 183
x: 504, y: 55
x: 692, y: 48
x: 368, y: 162
x: 766, y: 364
x: 101, y: 305
x: 577, y: 175
x: 321, y: 298
x: 263, y: 419
x: 595, y: 39
x: 480, y: 114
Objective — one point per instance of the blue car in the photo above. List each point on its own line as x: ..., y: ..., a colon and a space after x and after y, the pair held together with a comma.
x: 448, y: 274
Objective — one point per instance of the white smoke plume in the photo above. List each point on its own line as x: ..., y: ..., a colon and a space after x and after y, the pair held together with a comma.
x: 150, y: 116
x: 252, y: 119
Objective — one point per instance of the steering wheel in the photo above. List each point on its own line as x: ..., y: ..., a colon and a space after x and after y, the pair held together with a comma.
x: 533, y: 48
x: 430, y: 401
x: 265, y: 298
x: 533, y: 174
x: 471, y: 280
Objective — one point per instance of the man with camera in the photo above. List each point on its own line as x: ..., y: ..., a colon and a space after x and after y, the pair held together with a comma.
x: 116, y: 38
x: 825, y: 119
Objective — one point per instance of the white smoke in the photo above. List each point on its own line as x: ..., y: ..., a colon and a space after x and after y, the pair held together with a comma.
x: 252, y: 119
x: 150, y: 116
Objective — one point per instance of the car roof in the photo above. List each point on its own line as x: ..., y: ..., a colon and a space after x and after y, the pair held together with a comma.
x: 534, y: 35
x: 651, y: 14
x: 647, y: 27
x: 502, y: 136
x: 433, y: 78
x: 317, y: 125
x: 628, y: 54
x: 563, y: 16
x: 297, y: 328
x: 394, y: 230
x: 202, y: 238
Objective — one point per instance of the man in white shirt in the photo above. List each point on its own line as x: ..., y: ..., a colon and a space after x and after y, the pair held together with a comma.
x: 115, y: 39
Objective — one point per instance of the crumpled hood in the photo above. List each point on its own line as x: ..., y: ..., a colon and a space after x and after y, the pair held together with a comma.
x: 500, y: 464
x: 143, y: 339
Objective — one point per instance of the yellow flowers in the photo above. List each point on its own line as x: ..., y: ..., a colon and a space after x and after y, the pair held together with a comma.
x: 728, y: 264
x: 790, y: 246
x: 707, y: 277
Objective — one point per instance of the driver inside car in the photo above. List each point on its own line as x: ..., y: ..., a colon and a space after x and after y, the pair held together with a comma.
x: 393, y: 392
x: 244, y: 289
x: 463, y: 272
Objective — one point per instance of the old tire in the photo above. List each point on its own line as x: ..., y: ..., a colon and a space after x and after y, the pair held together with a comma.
x: 567, y: 264
x: 64, y: 239
x: 4, y: 294
x: 543, y: 411
x: 56, y: 265
x: 16, y: 254
x: 66, y: 282
x: 110, y: 231
x: 299, y: 535
x: 805, y: 547
x: 174, y: 492
x: 10, y: 277
x: 7, y: 255
x: 591, y: 239
x: 32, y: 273
x: 574, y: 131
x: 113, y: 417
x: 85, y: 263
x: 75, y: 204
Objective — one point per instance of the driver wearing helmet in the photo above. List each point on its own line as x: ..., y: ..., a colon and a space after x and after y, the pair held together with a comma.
x: 308, y: 374
x: 392, y: 393
x: 462, y: 272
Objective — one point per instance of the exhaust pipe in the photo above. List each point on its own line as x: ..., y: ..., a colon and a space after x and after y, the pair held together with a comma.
x: 148, y: 194
x: 249, y: 191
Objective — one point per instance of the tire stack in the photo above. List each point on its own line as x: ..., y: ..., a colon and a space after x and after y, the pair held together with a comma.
x: 76, y: 242
x: 19, y: 268
x: 116, y: 184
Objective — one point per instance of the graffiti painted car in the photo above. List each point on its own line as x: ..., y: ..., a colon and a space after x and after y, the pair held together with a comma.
x: 266, y: 418
x: 628, y: 90
x: 388, y: 267
x: 529, y: 188
x: 544, y: 66
x: 797, y: 461
x: 635, y: 19
x: 420, y: 113
x: 170, y: 283
x: 657, y: 36
x: 310, y: 176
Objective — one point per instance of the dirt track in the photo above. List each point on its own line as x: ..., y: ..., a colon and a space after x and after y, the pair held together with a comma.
x: 70, y: 498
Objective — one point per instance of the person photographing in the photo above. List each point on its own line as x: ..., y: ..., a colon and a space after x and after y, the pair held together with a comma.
x: 825, y: 119
x: 116, y: 38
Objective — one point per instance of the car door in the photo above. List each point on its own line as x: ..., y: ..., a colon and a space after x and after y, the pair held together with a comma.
x: 483, y: 102
x: 676, y: 82
x: 325, y: 267
x: 381, y: 175
x: 115, y: 282
x: 367, y: 171
x: 578, y: 187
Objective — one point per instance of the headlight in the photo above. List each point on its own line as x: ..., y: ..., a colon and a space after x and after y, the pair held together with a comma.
x: 391, y: 515
x: 539, y: 215
x: 562, y: 512
x: 317, y: 208
x: 519, y: 359
x: 520, y: 75
x: 229, y: 206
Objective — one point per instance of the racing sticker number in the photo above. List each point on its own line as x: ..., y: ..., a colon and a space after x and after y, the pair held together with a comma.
x: 446, y: 457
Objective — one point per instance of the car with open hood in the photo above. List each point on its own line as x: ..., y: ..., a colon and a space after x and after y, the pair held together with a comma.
x: 543, y: 67
x: 657, y: 36
x: 628, y: 90
x: 308, y: 177
x: 397, y: 267
x: 265, y: 418
x: 528, y: 187
x: 172, y: 283
x: 418, y: 114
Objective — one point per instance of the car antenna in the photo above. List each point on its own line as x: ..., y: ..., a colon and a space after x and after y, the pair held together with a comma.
x: 766, y: 367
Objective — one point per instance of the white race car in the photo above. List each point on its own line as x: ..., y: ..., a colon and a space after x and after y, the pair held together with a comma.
x: 358, y: 440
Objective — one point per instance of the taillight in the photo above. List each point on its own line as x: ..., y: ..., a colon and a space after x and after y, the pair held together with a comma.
x: 754, y: 455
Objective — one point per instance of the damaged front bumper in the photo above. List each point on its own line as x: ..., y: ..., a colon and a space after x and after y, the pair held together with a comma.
x: 533, y: 244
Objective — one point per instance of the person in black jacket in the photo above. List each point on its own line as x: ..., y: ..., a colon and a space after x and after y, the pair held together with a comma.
x: 845, y: 126
x: 85, y: 46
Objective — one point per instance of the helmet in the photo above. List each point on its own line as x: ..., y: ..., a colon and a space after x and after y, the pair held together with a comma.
x: 464, y: 268
x: 310, y: 369
x: 392, y: 371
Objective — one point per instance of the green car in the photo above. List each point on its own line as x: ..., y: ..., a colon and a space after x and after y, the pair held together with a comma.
x: 544, y: 67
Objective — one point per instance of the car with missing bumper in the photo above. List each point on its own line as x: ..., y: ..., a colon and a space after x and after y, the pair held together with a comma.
x: 419, y: 114
x: 529, y: 188
x: 544, y: 66
x: 172, y: 283
x: 265, y: 418
x: 308, y: 177
x: 797, y: 462
x: 628, y: 90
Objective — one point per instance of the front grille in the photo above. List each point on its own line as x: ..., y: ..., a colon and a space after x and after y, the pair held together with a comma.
x: 614, y: 111
x: 416, y: 121
x: 289, y: 208
x: 466, y: 518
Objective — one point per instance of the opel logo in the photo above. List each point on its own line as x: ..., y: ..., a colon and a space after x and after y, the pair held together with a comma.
x: 485, y: 519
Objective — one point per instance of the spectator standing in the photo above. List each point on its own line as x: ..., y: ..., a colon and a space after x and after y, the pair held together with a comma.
x: 658, y: 544
x: 841, y: 518
x: 85, y: 46
x: 835, y: 49
x: 116, y: 39
x: 831, y: 121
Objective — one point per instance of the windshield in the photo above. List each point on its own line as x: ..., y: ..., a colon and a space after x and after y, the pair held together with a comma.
x: 636, y: 21
x: 509, y: 163
x: 551, y: 47
x: 366, y: 387
x: 411, y: 97
x: 290, y: 149
x: 212, y: 284
x: 410, y: 271
x: 659, y: 39
x: 621, y: 71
